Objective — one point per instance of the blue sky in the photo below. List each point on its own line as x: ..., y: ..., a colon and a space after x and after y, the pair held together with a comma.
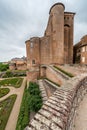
x: 22, y: 19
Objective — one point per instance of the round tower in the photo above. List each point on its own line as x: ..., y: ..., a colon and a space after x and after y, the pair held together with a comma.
x: 57, y: 14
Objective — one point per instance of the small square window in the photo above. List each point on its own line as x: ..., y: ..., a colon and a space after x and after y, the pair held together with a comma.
x: 83, y: 49
x: 31, y: 44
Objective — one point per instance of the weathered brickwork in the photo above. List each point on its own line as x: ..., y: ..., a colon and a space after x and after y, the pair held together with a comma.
x: 18, y: 64
x: 80, y: 51
x: 43, y: 91
x: 59, y: 111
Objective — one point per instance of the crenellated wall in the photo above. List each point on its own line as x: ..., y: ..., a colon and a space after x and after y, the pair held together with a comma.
x: 59, y: 111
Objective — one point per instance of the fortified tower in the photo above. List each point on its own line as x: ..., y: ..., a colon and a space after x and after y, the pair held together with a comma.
x: 56, y: 46
x: 57, y: 13
x: 55, y: 29
x: 68, y: 37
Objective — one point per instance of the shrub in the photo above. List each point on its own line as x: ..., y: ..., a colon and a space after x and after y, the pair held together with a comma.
x: 16, y: 82
x: 23, y: 118
x: 4, y: 67
x: 4, y: 91
x: 8, y: 74
x: 31, y: 102
x: 35, y: 101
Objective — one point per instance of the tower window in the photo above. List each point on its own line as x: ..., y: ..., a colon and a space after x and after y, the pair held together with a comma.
x: 33, y: 61
x: 86, y: 48
x: 83, y: 59
x: 31, y: 45
x: 83, y: 49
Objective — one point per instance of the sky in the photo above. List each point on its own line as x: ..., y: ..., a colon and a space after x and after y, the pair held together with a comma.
x: 22, y: 19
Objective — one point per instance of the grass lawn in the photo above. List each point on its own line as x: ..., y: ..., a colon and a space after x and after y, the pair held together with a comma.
x: 5, y: 110
x: 15, y: 82
x: 4, y: 91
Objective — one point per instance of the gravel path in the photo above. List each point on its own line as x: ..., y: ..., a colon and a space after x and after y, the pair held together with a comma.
x: 81, y: 116
x: 11, y: 124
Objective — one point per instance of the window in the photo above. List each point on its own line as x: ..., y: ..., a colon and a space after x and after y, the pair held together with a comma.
x: 86, y: 48
x: 83, y: 49
x: 31, y: 44
x: 83, y: 59
x: 33, y: 61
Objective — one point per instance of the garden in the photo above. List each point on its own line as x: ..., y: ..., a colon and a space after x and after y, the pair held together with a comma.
x: 5, y: 110
x: 4, y: 91
x: 15, y: 82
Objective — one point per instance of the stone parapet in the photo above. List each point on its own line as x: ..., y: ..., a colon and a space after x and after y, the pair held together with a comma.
x: 43, y: 91
x: 59, y: 111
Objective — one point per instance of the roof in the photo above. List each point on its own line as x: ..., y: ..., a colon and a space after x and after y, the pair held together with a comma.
x: 70, y: 13
x: 55, y: 5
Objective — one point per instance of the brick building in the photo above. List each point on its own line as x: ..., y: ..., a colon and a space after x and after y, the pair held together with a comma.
x: 18, y: 64
x: 56, y: 46
x: 80, y: 51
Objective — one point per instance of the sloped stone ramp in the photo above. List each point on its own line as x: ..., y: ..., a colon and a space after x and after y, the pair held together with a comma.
x: 59, y: 111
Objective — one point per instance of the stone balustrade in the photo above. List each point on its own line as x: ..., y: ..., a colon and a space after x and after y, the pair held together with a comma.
x: 58, y: 112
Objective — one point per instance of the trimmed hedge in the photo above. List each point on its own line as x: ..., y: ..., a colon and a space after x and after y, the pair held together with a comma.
x: 31, y: 102
x: 15, y: 73
x: 35, y: 101
x: 23, y: 118
x: 65, y: 72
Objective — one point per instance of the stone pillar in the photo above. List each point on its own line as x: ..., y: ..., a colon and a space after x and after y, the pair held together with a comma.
x: 68, y: 36
x: 57, y: 13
